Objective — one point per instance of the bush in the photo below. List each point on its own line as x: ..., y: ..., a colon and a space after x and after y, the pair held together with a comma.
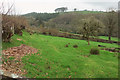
x: 12, y: 25
x: 75, y: 46
x: 66, y: 45
x: 7, y: 34
x: 94, y: 51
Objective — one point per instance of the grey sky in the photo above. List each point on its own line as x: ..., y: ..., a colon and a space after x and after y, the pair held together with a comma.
x: 27, y: 6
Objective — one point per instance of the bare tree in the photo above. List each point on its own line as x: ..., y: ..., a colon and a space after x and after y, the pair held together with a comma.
x: 111, y: 21
x: 90, y: 27
x: 11, y: 23
x: 6, y: 21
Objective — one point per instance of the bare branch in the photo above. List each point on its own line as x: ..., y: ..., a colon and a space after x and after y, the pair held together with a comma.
x: 9, y: 9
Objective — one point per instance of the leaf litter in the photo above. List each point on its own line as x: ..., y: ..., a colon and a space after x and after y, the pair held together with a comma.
x: 11, y: 58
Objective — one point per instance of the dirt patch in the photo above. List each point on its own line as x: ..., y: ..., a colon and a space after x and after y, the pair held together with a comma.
x: 11, y: 58
x: 112, y: 49
x: 86, y: 55
x: 104, y: 41
x: 20, y: 39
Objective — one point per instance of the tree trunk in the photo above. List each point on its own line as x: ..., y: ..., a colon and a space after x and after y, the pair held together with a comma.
x: 88, y: 42
x: 83, y: 37
x: 109, y: 37
x: 110, y: 33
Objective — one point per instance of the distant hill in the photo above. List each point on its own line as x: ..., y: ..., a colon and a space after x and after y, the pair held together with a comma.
x: 42, y: 16
x: 38, y: 19
x: 47, y: 16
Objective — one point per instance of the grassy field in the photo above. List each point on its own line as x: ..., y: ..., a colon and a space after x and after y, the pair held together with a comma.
x: 106, y: 38
x: 54, y: 60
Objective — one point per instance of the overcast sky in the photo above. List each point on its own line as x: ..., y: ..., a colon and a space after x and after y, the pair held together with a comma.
x: 27, y: 6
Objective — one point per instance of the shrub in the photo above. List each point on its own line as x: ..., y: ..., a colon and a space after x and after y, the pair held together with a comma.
x: 66, y: 45
x: 75, y: 46
x: 44, y: 33
x: 115, y: 55
x: 94, y: 51
x: 6, y: 34
x: 12, y: 25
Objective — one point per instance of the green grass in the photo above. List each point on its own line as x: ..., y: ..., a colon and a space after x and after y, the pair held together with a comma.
x: 106, y: 38
x: 85, y: 12
x: 55, y: 60
x: 11, y: 58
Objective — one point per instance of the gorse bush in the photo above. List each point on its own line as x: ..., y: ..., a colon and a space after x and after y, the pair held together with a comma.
x: 94, y: 51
